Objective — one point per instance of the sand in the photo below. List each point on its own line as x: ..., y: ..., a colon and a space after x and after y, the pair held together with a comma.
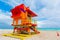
x: 44, y: 35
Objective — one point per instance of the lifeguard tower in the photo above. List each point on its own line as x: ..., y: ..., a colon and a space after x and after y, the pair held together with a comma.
x: 22, y: 20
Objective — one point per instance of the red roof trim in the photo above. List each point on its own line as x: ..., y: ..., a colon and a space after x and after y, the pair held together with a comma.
x: 32, y: 13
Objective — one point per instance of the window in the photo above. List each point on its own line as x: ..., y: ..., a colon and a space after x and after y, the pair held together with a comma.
x: 19, y: 21
x: 14, y: 22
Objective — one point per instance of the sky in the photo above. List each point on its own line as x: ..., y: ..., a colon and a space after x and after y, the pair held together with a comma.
x: 48, y: 12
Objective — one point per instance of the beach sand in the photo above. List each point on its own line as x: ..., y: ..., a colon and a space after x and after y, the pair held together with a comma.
x: 44, y: 35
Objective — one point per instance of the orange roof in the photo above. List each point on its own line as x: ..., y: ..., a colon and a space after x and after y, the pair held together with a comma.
x: 16, y: 11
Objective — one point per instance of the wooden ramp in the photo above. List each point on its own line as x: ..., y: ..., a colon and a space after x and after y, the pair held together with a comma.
x: 19, y: 36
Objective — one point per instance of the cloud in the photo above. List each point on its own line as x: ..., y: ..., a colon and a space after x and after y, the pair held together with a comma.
x: 40, y: 24
x: 51, y: 11
x: 4, y: 18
